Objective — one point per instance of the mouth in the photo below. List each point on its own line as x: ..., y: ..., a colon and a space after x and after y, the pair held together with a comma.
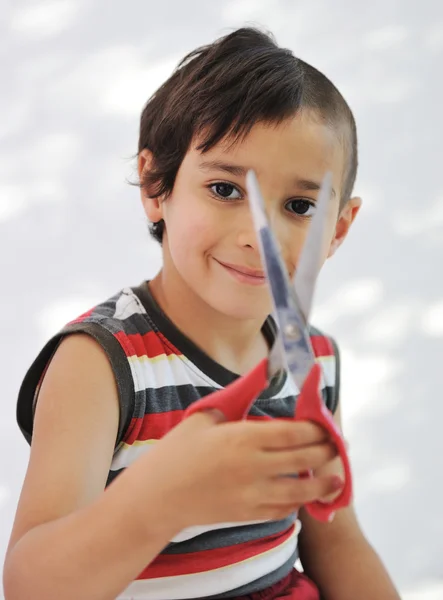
x: 244, y: 274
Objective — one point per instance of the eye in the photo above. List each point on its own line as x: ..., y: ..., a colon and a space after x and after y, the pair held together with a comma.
x: 301, y: 207
x: 225, y: 191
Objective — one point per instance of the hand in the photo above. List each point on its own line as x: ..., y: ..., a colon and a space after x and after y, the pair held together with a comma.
x: 209, y: 471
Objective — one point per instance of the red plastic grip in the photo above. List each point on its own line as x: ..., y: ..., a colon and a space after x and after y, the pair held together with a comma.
x: 310, y: 407
x: 235, y: 400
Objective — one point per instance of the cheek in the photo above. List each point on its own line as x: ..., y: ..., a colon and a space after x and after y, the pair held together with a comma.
x: 190, y: 225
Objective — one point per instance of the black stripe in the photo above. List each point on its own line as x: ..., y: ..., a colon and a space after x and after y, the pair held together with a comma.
x: 230, y: 536
x: 171, y: 398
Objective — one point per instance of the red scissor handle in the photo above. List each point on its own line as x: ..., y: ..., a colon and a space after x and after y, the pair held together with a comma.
x: 235, y: 400
x: 310, y: 407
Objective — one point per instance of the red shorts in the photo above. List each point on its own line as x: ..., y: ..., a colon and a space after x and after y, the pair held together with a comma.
x: 294, y: 586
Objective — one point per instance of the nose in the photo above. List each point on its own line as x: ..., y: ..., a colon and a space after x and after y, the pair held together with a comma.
x: 246, y: 235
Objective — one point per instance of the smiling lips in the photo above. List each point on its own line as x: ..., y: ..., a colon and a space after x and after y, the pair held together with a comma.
x: 244, y: 274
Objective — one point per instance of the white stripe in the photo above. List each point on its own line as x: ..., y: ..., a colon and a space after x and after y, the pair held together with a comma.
x: 127, y: 305
x: 165, y: 370
x: 126, y: 455
x: 176, y: 370
x: 327, y: 364
x: 217, y: 581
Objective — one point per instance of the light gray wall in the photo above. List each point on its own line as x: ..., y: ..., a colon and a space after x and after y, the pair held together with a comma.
x: 74, y: 77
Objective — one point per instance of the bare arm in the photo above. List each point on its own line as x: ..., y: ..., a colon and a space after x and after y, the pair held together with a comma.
x: 338, y: 557
x: 70, y: 540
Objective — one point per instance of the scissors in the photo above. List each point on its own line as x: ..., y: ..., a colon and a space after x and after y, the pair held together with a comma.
x: 291, y: 351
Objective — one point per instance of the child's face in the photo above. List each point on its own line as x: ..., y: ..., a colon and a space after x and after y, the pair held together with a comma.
x: 210, y: 243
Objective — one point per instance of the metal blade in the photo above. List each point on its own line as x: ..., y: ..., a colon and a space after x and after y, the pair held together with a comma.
x: 294, y: 337
x: 309, y: 263
x: 274, y: 266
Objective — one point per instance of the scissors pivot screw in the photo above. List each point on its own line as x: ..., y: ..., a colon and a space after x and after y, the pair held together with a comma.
x: 292, y: 331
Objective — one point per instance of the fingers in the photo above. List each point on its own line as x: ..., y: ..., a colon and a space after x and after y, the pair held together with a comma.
x: 280, y: 434
x: 309, y: 458
x: 294, y: 492
x: 204, y: 419
x: 268, y: 435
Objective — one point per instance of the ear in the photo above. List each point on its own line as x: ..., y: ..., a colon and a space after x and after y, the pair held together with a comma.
x: 152, y: 206
x: 344, y: 222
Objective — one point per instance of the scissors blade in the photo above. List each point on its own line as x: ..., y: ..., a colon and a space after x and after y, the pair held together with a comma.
x: 275, y: 269
x: 313, y: 251
x: 295, y: 339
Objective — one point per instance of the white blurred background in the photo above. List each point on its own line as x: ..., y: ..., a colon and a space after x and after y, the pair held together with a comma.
x: 74, y: 77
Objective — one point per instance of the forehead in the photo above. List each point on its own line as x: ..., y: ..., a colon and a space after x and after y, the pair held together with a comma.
x: 299, y: 147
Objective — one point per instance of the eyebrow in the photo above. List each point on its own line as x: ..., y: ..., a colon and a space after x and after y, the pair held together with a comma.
x: 240, y: 171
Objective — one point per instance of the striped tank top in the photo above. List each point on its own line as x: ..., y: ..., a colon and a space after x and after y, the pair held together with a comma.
x: 159, y: 373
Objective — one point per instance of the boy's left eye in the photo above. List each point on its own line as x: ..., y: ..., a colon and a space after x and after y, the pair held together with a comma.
x: 225, y: 191
x: 301, y: 207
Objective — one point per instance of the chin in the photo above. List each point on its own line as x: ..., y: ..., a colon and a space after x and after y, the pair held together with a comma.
x: 231, y: 299
x: 235, y: 307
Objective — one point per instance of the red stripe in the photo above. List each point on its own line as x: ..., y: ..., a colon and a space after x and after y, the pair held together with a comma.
x: 153, y: 344
x: 322, y: 346
x: 154, y: 426
x: 170, y: 565
x: 149, y: 345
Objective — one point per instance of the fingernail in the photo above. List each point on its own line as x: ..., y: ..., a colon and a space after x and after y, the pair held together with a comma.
x: 337, y: 482
x: 331, y: 517
x: 216, y: 414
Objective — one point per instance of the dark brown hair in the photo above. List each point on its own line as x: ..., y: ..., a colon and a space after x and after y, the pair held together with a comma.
x: 223, y: 90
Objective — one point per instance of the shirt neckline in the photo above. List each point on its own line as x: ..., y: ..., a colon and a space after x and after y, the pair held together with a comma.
x: 217, y: 372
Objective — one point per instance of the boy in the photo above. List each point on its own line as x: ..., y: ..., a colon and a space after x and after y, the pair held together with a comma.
x: 197, y: 508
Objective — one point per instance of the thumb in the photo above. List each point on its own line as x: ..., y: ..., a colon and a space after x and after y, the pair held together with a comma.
x: 216, y: 415
x: 206, y: 417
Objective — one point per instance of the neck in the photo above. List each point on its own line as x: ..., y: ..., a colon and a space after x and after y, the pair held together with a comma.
x: 238, y: 345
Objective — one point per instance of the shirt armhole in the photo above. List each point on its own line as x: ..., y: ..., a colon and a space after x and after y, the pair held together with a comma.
x: 29, y: 389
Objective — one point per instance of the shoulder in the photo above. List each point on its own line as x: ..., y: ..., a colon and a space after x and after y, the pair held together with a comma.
x: 110, y: 332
